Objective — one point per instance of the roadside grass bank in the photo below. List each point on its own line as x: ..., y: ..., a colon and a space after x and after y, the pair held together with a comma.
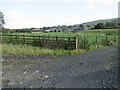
x: 10, y: 49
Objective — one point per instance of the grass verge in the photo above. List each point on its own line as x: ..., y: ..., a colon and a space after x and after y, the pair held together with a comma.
x: 10, y: 49
x: 23, y: 49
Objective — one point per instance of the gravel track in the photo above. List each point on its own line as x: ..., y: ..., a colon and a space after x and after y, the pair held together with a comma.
x: 96, y: 69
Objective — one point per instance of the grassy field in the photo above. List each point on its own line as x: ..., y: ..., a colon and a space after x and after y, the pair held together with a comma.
x: 32, y: 50
x: 89, y: 34
x: 101, y: 31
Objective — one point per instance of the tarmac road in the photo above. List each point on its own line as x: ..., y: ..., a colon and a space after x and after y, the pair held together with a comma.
x: 96, y: 69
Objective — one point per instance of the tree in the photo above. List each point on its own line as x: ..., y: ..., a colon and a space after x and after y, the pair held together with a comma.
x: 69, y: 26
x: 64, y: 30
x: 81, y: 25
x: 4, y: 30
x: 111, y: 25
x: 88, y: 25
x: 44, y: 28
x: 2, y: 22
x: 100, y: 26
x: 107, y: 24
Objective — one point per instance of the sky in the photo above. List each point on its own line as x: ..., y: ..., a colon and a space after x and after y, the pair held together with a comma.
x: 44, y: 13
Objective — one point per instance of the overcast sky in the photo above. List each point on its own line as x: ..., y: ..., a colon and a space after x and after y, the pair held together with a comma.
x: 40, y: 13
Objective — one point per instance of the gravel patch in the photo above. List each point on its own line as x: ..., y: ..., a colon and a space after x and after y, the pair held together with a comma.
x: 96, y: 69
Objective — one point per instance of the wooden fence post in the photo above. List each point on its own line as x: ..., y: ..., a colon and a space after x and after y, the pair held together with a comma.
x: 24, y: 39
x: 56, y: 38
x: 106, y: 38
x: 96, y: 39
x: 69, y: 39
x: 84, y: 40
x: 39, y: 39
x: 74, y: 45
x: 11, y: 38
x: 69, y: 44
x: 114, y: 38
x: 16, y: 39
x: 76, y: 42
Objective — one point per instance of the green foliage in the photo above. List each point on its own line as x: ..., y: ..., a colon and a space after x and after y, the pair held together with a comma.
x: 106, y: 42
x: 84, y: 44
x: 81, y: 25
x: 115, y: 20
x: 10, y: 49
x: 54, y: 45
x: 107, y: 25
x: 69, y: 26
x: 3, y: 30
x: 111, y: 25
x: 88, y: 25
x: 100, y: 26
x: 36, y: 42
x: 22, y: 30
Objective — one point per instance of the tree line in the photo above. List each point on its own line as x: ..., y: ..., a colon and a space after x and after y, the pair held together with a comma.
x: 107, y: 25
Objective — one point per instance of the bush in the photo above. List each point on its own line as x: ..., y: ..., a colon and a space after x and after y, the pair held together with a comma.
x: 59, y: 44
x: 106, y: 42
x: 36, y: 42
x: 68, y: 46
x: 84, y: 44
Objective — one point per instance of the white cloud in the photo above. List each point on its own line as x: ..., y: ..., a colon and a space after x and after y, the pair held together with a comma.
x: 40, y: 1
x: 12, y: 14
x: 14, y: 19
x: 37, y: 23
x: 26, y: 5
x: 92, y: 3
x: 103, y: 1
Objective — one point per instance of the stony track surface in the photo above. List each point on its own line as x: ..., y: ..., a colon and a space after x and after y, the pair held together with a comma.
x: 96, y: 69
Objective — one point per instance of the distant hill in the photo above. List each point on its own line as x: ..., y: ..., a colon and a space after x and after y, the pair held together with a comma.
x: 93, y: 23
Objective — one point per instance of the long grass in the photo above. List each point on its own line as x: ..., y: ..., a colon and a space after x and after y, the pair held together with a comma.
x: 31, y: 50
x: 10, y: 49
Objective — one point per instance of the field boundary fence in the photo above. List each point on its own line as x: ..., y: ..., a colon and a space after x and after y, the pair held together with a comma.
x: 53, y: 42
